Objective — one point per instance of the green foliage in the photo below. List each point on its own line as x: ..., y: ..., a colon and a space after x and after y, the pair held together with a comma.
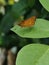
x: 45, y: 4
x: 15, y: 14
x: 11, y: 34
x: 28, y: 3
x: 6, y: 23
x: 2, y: 2
x: 33, y: 54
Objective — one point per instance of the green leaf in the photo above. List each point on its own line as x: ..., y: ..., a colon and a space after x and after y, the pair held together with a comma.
x: 33, y: 54
x: 6, y: 23
x: 28, y: 3
x: 18, y: 10
x: 39, y: 30
x: 31, y: 3
x: 45, y: 4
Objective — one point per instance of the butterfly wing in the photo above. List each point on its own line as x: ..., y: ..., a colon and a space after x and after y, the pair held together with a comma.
x: 29, y: 22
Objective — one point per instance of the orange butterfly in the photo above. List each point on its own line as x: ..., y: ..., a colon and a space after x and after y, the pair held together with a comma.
x: 29, y: 22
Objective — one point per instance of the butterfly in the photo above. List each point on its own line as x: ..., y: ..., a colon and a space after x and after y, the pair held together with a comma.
x: 28, y: 23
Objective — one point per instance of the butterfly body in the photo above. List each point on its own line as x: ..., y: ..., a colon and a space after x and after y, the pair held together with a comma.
x: 29, y: 22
